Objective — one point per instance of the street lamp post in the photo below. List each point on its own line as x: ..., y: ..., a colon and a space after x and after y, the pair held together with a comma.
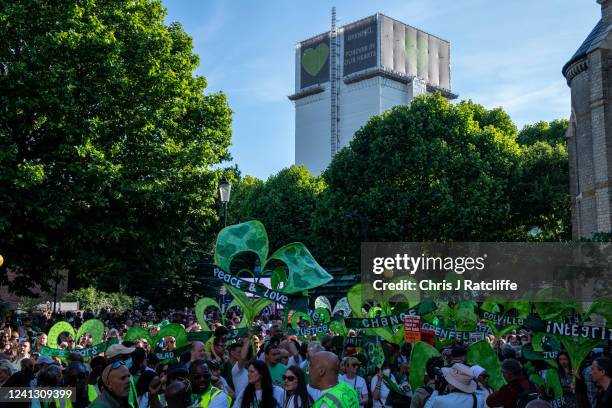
x: 225, y: 189
x: 57, y: 278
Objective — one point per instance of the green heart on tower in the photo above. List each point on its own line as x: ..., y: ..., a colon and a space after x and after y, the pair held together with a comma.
x: 313, y: 59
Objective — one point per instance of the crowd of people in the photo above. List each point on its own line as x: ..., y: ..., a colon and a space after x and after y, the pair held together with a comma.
x: 268, y: 368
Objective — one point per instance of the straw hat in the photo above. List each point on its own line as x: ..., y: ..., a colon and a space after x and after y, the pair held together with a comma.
x: 461, y: 377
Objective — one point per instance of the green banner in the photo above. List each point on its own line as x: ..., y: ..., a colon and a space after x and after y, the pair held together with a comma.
x: 202, y: 336
x: 569, y: 330
x: 530, y: 354
x: 420, y: 309
x: 309, y: 331
x: 238, y: 333
x: 165, y: 356
x: 284, y: 299
x: 85, y: 352
x: 502, y: 319
x: 448, y: 334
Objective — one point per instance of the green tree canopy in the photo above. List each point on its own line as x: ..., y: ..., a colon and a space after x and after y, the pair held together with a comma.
x: 285, y: 204
x: 552, y: 132
x: 107, y: 142
x: 435, y: 171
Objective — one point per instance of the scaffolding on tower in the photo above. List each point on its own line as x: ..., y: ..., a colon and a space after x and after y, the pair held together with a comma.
x: 334, y: 81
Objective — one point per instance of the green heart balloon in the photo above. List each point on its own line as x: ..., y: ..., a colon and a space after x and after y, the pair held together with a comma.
x: 338, y: 327
x: 201, y: 306
x: 138, y: 333
x: 95, y: 328
x: 553, y: 383
x: 173, y: 329
x: 57, y: 329
x: 421, y: 352
x: 304, y: 316
x: 482, y: 353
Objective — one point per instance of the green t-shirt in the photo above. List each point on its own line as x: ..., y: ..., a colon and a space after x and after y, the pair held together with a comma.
x: 341, y: 395
x: 277, y: 373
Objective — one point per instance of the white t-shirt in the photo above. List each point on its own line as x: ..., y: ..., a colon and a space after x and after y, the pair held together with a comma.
x: 313, y: 392
x: 453, y: 400
x: 225, y: 385
x: 240, y: 377
x: 277, y: 392
x: 358, y: 383
x: 384, y: 390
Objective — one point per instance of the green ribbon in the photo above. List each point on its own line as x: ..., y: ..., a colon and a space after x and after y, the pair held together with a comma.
x: 85, y: 352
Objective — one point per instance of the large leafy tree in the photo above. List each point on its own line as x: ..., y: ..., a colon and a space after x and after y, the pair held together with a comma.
x: 106, y: 144
x: 285, y: 203
x: 549, y: 132
x: 437, y: 171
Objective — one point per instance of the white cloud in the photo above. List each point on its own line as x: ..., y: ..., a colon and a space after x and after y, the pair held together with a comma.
x: 526, y: 102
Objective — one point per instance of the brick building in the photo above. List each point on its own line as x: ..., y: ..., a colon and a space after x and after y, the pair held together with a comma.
x: 589, y: 136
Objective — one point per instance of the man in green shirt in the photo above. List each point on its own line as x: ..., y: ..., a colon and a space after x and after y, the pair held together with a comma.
x: 277, y: 369
x: 324, y: 368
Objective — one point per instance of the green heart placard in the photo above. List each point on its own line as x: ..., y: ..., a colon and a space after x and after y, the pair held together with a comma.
x: 173, y: 329
x: 313, y: 59
x: 57, y: 329
x: 95, y: 328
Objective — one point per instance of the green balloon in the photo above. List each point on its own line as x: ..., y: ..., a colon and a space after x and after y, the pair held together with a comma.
x: 57, y: 329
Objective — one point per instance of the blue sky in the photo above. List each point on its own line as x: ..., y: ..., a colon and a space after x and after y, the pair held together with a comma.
x: 503, y: 53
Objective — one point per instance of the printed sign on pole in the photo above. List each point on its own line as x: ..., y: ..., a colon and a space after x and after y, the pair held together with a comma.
x: 412, y: 329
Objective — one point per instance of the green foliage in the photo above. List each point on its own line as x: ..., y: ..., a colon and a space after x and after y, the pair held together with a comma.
x: 552, y: 133
x: 540, y: 193
x: 107, y: 147
x: 285, y: 204
x: 433, y: 171
x: 96, y: 300
x: 482, y: 354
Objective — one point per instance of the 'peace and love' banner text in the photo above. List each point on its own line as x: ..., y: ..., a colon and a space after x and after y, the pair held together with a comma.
x: 295, y: 302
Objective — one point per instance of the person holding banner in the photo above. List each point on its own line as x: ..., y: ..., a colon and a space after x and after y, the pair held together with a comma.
x: 277, y: 369
x: 240, y: 353
x: 351, y: 378
x: 380, y: 389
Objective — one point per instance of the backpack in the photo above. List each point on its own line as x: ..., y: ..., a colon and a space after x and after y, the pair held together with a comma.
x: 525, y: 396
